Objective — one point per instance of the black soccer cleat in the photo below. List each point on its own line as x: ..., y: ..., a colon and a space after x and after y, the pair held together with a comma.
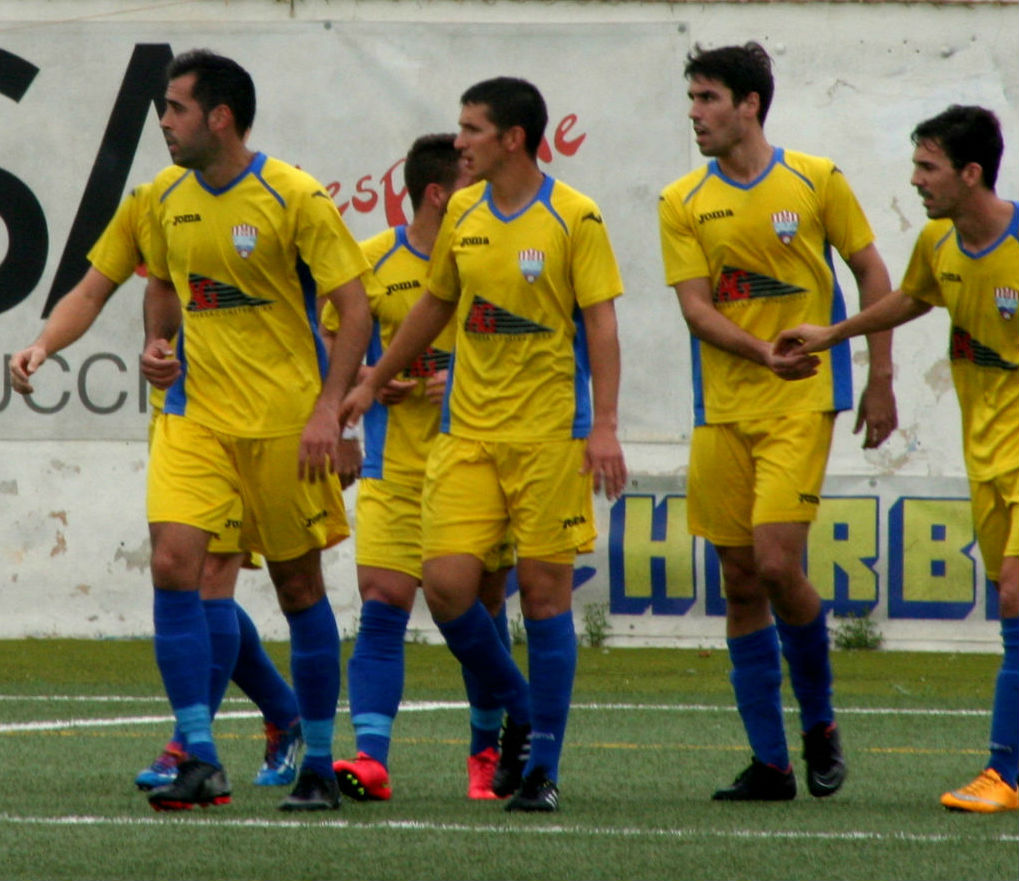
x: 197, y: 783
x: 514, y: 751
x: 312, y: 793
x: 826, y: 767
x: 537, y: 794
x: 760, y: 782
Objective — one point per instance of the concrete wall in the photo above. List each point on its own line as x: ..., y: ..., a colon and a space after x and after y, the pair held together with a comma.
x: 343, y: 88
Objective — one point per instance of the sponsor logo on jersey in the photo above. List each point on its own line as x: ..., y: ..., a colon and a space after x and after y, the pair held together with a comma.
x: 186, y: 218
x: 468, y: 241
x: 245, y: 237
x: 207, y: 295
x: 402, y: 286
x: 1007, y: 301
x: 785, y: 224
x: 949, y: 276
x: 715, y: 215
x: 531, y: 263
x: 428, y: 363
x: 741, y: 284
x: 487, y: 318
x: 966, y: 347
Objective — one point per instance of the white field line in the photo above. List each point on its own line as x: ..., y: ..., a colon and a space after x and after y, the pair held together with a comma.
x: 407, y: 707
x: 528, y: 830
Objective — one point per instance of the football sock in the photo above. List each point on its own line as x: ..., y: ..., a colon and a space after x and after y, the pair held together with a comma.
x: 552, y: 663
x: 224, y: 642
x: 375, y: 677
x: 806, y: 651
x: 184, y: 659
x: 486, y: 712
x: 315, y: 668
x: 256, y: 675
x: 1005, y: 712
x: 473, y: 640
x: 757, y: 679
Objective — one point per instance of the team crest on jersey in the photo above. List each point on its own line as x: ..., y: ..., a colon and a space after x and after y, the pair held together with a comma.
x: 244, y: 239
x: 1007, y: 301
x: 532, y: 262
x: 785, y: 223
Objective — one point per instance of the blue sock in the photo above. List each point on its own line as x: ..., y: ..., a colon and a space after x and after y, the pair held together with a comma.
x: 315, y: 669
x: 256, y: 675
x: 486, y: 712
x: 224, y: 641
x: 552, y: 663
x: 473, y: 641
x: 1005, y: 714
x: 757, y: 680
x: 184, y: 659
x: 806, y: 651
x: 375, y: 677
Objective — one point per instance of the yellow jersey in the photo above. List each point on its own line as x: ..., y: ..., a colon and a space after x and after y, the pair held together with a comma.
x: 766, y: 249
x: 248, y: 261
x: 520, y: 369
x: 981, y: 293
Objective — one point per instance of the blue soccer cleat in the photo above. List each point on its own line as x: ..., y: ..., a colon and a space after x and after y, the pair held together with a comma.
x: 282, y: 746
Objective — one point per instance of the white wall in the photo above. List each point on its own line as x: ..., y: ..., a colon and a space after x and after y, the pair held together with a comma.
x: 343, y: 89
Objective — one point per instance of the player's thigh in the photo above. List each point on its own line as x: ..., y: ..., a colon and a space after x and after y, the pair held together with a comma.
x: 720, y: 486
x: 387, y: 534
x: 550, y: 502
x: 995, y: 506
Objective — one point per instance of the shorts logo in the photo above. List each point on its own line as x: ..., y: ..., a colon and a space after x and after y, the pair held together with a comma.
x: 785, y: 223
x: 574, y: 521
x: 1007, y: 301
x: 245, y: 237
x: 809, y: 499
x: 311, y: 521
x: 531, y: 263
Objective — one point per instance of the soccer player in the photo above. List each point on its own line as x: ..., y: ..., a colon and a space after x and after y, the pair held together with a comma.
x: 966, y: 259
x: 242, y: 246
x: 525, y: 264
x: 399, y: 430
x: 746, y: 243
x: 237, y: 650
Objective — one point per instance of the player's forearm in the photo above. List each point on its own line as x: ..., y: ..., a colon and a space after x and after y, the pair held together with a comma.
x: 874, y: 284
x: 75, y: 312
x: 161, y: 310
x: 604, y: 358
x: 710, y: 326
x: 889, y: 311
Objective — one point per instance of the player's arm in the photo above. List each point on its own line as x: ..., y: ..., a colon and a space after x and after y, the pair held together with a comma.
x: 162, y: 316
x: 604, y: 455
x: 70, y: 318
x: 711, y: 326
x: 877, y: 402
x: 423, y: 323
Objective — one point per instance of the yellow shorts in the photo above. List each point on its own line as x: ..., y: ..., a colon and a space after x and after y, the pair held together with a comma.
x: 477, y: 491
x: 744, y: 474
x: 228, y: 539
x: 996, y: 519
x: 197, y: 476
x: 387, y: 529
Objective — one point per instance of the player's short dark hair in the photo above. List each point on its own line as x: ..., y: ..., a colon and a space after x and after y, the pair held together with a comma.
x: 511, y: 101
x: 432, y: 159
x: 742, y: 69
x: 218, y: 80
x: 966, y: 134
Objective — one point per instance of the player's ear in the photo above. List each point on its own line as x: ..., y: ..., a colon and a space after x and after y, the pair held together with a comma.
x: 514, y: 138
x: 221, y: 117
x: 972, y: 174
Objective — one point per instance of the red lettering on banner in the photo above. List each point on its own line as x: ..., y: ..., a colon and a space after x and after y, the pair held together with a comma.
x: 733, y: 286
x: 481, y: 318
x: 203, y: 295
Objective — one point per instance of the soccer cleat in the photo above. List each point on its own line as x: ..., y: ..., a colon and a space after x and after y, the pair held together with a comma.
x: 480, y: 771
x: 363, y: 778
x: 760, y: 782
x: 163, y: 770
x: 537, y: 794
x: 514, y: 751
x: 987, y: 794
x: 826, y: 768
x: 197, y: 783
x: 281, y: 748
x: 312, y: 793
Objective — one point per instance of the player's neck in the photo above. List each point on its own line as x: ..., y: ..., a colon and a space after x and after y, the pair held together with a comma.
x: 983, y: 220
x: 747, y: 160
x: 227, y: 166
x: 422, y: 230
x: 515, y: 185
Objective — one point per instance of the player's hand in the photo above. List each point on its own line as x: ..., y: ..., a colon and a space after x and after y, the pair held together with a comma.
x: 357, y: 402
x: 319, y: 451
x: 395, y: 391
x: 159, y: 365
x: 435, y: 386
x: 603, y: 459
x: 877, y: 412
x: 23, y: 365
x: 803, y: 339
x: 788, y: 358
x: 348, y: 462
